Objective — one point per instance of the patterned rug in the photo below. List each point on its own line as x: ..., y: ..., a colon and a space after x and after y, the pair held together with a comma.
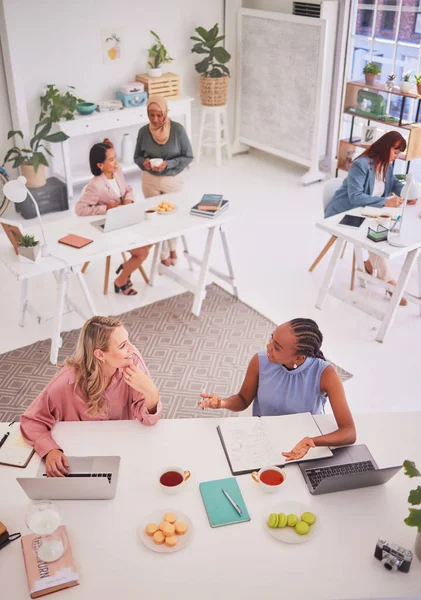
x: 184, y: 354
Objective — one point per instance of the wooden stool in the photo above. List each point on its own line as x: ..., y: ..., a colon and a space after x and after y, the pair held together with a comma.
x: 107, y: 271
x: 219, y: 137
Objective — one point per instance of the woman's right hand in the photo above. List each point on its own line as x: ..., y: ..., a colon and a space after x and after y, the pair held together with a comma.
x: 211, y: 401
x: 113, y: 205
x: 56, y: 464
x: 147, y: 164
x: 394, y: 202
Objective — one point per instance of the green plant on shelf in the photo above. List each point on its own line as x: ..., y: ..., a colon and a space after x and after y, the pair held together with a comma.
x: 158, y: 54
x: 414, y: 498
x: 28, y: 241
x: 406, y: 77
x: 373, y: 68
x: 417, y: 79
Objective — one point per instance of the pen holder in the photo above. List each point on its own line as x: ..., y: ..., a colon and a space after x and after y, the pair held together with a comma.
x: 377, y: 235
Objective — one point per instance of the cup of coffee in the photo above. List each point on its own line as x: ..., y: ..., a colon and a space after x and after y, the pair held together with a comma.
x: 156, y: 162
x: 171, y: 479
x: 150, y: 214
x: 269, y: 479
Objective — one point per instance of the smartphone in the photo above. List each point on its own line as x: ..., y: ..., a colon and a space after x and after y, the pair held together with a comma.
x: 351, y: 221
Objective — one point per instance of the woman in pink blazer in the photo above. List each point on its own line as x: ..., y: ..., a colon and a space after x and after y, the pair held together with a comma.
x: 108, y: 189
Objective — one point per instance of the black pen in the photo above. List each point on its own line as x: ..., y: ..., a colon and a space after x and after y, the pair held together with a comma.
x: 4, y: 438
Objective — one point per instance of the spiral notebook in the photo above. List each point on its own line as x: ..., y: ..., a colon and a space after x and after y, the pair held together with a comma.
x: 219, y: 509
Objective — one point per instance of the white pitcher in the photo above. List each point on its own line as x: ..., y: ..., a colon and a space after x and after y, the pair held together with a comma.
x: 127, y: 150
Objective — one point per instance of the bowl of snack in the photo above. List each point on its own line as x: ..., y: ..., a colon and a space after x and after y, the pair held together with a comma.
x: 164, y: 208
x: 166, y: 531
x: 156, y: 162
x: 295, y: 524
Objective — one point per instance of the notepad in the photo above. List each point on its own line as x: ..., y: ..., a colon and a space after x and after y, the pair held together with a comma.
x: 251, y: 443
x: 15, y: 452
x: 219, y: 509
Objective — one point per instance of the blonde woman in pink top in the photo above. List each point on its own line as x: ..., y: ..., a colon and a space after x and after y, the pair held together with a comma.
x: 106, y: 379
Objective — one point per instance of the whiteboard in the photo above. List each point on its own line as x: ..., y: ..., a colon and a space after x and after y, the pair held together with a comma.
x: 279, y: 85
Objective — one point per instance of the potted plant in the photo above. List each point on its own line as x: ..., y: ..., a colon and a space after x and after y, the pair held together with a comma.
x: 371, y: 71
x: 406, y: 84
x: 214, y: 73
x: 158, y: 56
x: 29, y: 247
x: 414, y: 498
x: 418, y: 82
x: 390, y: 83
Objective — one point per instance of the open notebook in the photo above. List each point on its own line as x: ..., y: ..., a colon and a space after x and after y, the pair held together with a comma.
x: 251, y: 443
x: 15, y: 452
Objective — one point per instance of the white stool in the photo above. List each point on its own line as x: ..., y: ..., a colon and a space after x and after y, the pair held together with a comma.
x: 219, y: 132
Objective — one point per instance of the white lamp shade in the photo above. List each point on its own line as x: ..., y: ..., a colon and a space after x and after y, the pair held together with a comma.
x: 15, y: 190
x: 411, y: 189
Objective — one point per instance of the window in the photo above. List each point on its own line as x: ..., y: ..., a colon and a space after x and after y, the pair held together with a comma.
x: 388, y: 17
x: 366, y: 16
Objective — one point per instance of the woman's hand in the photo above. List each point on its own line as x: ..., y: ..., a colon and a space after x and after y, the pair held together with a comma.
x: 300, y: 449
x: 394, y: 202
x: 126, y: 201
x: 147, y: 164
x: 142, y: 383
x: 113, y: 205
x: 161, y: 167
x: 56, y: 464
x: 413, y: 201
x: 212, y: 401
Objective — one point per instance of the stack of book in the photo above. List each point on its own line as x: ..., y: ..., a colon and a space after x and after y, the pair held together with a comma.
x: 210, y: 206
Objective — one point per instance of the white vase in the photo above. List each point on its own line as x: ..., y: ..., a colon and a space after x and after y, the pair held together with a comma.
x: 417, y: 547
x: 30, y: 252
x: 155, y: 72
x: 405, y: 87
x: 127, y: 151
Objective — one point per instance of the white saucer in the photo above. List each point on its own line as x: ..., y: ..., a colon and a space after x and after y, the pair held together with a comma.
x: 288, y: 534
x: 157, y: 516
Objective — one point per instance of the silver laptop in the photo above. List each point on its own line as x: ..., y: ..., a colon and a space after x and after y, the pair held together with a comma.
x: 90, y: 478
x: 120, y: 217
x: 350, y: 468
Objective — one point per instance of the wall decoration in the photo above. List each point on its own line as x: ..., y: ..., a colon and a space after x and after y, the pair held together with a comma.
x: 111, y: 45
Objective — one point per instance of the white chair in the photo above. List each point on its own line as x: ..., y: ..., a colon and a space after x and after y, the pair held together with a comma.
x: 329, y: 190
x: 219, y: 137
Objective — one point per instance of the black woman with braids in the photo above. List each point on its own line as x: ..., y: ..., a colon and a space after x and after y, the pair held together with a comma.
x: 292, y: 376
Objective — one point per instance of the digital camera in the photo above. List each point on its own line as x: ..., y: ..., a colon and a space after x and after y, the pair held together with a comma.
x: 393, y: 557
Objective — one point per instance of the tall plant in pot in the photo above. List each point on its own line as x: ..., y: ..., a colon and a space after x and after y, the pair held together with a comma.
x: 214, y: 74
x: 371, y: 71
x: 414, y: 498
x: 158, y: 55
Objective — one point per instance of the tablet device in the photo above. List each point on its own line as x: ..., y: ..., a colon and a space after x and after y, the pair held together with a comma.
x: 351, y: 221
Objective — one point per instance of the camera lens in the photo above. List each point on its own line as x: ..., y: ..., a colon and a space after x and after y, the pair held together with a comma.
x: 391, y: 563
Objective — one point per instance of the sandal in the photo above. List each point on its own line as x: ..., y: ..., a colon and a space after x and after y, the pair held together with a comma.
x: 166, y: 262
x: 129, y: 281
x: 173, y: 257
x: 403, y: 302
x: 126, y: 289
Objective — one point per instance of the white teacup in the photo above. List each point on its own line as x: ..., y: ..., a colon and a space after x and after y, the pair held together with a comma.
x: 171, y: 479
x: 156, y: 162
x: 270, y: 479
x: 150, y: 214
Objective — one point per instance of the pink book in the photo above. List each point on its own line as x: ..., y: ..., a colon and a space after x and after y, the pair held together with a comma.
x: 46, y: 578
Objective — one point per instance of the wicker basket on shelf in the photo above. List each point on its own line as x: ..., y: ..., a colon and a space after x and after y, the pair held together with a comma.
x: 214, y: 90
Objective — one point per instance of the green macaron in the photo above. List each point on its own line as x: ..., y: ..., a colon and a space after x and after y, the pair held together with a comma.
x: 273, y: 520
x: 292, y: 520
x: 309, y: 518
x: 302, y: 528
x: 282, y: 520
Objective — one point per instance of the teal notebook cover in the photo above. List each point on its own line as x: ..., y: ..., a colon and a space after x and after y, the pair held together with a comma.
x: 219, y: 508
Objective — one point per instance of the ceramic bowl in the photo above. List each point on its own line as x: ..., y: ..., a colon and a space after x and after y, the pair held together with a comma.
x: 85, y: 108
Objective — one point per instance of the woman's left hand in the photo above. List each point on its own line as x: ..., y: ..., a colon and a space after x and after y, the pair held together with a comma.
x: 161, y: 167
x: 142, y: 383
x: 413, y: 201
x: 300, y: 449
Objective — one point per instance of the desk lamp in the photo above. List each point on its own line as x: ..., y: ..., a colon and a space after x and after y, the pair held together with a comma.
x: 412, y: 190
x: 16, y: 191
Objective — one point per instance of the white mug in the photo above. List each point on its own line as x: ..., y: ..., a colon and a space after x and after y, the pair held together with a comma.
x: 156, y: 162
x: 175, y: 480
x: 266, y: 487
x: 150, y: 214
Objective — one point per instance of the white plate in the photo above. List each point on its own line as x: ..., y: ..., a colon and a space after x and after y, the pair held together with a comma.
x: 166, y: 213
x: 288, y: 534
x: 157, y: 516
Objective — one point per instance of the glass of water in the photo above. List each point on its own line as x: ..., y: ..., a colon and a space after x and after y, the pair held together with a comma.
x: 43, y: 518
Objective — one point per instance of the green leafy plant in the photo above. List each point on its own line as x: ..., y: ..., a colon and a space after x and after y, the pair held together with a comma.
x: 417, y: 79
x: 28, y: 241
x: 214, y: 64
x: 414, y: 498
x: 391, y: 77
x: 158, y: 54
x: 406, y: 77
x: 59, y: 105
x: 373, y: 68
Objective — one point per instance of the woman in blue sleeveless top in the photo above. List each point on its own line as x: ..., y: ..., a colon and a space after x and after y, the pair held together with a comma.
x: 292, y: 376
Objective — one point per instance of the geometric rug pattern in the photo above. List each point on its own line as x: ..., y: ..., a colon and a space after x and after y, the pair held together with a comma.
x: 185, y: 354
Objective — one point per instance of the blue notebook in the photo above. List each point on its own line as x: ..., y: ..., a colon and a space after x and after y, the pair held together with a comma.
x: 219, y: 508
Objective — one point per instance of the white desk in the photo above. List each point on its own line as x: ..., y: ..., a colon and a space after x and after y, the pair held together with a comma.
x: 68, y: 260
x: 233, y: 562
x: 108, y: 121
x: 358, y: 237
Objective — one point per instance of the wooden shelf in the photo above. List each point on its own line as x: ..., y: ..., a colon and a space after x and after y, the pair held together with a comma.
x: 379, y: 87
x: 406, y: 126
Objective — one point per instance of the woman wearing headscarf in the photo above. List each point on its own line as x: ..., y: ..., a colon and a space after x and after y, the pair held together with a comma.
x: 168, y: 140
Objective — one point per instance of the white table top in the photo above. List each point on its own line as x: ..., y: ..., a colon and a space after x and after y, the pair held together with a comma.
x: 163, y: 227
x: 411, y: 223
x: 239, y: 561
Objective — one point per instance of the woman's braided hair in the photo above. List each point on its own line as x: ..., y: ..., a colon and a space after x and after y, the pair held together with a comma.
x: 309, y: 337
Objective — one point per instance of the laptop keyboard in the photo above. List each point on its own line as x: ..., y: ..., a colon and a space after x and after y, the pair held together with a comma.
x: 107, y: 475
x: 317, y: 475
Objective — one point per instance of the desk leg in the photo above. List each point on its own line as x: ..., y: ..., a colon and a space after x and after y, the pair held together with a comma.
x: 86, y: 293
x: 360, y: 264
x: 330, y: 273
x: 402, y: 282
x: 419, y: 277
x: 201, y: 284
x: 67, y: 167
x: 23, y: 302
x: 186, y: 252
x: 56, y: 337
x: 155, y: 261
x: 228, y: 259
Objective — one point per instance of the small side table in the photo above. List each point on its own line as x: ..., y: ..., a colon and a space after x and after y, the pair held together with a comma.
x: 219, y: 137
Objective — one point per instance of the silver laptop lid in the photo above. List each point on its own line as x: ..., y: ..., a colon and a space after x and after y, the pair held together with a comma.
x: 123, y: 216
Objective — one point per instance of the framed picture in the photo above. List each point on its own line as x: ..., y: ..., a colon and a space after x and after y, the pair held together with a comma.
x: 369, y: 135
x: 13, y: 231
x: 111, y: 45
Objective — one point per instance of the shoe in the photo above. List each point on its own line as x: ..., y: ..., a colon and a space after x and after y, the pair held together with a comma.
x: 166, y: 262
x: 173, y: 257
x: 368, y: 267
x: 403, y: 302
x: 127, y: 289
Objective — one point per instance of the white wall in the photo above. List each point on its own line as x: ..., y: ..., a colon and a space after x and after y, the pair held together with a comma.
x: 5, y: 118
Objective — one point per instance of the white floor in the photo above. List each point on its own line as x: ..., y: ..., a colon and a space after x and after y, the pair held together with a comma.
x: 272, y: 246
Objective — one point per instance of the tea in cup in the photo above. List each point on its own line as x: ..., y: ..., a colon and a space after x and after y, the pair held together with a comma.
x: 150, y: 214
x: 171, y: 479
x: 269, y: 479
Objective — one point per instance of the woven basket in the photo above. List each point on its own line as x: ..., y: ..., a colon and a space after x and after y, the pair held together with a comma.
x: 214, y: 90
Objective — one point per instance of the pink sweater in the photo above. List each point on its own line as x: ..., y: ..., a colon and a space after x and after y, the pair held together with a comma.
x: 57, y: 402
